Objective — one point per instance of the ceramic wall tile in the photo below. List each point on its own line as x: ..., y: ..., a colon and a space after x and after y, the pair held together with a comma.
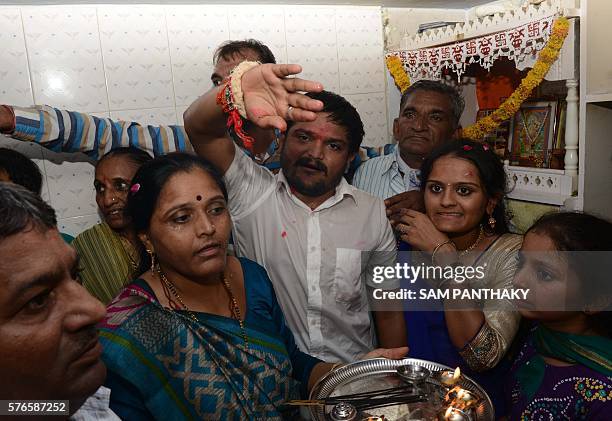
x: 372, y: 110
x: 14, y: 74
x: 264, y: 23
x: 152, y: 116
x: 149, y: 62
x: 311, y: 42
x: 65, y: 58
x: 394, y: 97
x: 180, y: 110
x: 101, y: 114
x: 77, y: 224
x: 71, y: 187
x: 136, y: 56
x: 194, y: 33
x: 360, y: 50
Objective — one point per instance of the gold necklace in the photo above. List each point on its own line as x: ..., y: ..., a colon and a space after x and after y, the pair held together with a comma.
x: 234, y: 308
x: 474, y: 244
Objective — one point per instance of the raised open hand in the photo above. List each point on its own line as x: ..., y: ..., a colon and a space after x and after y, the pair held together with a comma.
x: 268, y: 95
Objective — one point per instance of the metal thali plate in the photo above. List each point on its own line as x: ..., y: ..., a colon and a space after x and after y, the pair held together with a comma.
x: 381, y: 373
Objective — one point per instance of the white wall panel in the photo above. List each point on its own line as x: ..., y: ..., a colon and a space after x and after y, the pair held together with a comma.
x: 147, y: 63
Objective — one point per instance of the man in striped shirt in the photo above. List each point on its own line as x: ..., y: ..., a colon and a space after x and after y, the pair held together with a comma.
x: 429, y: 115
x: 69, y: 131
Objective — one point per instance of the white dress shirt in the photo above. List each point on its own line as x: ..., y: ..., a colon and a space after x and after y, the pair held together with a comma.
x: 317, y: 260
x: 96, y: 408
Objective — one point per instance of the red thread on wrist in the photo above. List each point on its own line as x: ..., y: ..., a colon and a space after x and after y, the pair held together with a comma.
x: 225, y: 99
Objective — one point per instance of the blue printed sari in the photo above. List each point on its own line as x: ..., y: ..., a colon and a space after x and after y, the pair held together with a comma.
x: 166, y: 366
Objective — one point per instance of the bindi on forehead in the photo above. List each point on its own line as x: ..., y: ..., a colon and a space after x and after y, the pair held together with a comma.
x: 199, y: 198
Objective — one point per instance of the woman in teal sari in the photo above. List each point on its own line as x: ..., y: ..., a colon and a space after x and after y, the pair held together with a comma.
x: 564, y: 369
x: 200, y: 334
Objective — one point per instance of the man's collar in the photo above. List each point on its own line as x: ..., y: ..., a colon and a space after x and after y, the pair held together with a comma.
x: 342, y: 189
x: 390, y: 160
x: 402, y: 165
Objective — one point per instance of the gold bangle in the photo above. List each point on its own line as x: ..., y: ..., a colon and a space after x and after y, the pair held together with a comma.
x: 436, y: 248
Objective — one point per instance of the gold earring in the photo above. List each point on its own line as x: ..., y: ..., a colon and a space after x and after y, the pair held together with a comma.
x: 152, y: 256
x: 492, y: 222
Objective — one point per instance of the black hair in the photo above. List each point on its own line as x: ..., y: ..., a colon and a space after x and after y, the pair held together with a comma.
x: 456, y: 100
x: 21, y: 209
x: 490, y: 170
x: 21, y: 170
x: 151, y: 179
x: 153, y: 176
x: 343, y: 114
x: 230, y: 48
x: 582, y: 232
x: 575, y: 231
x: 136, y: 156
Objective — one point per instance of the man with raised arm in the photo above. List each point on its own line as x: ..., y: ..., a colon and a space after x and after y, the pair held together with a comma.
x: 49, y: 348
x: 317, y: 236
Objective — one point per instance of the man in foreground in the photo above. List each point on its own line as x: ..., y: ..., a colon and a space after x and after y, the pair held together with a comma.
x: 49, y: 347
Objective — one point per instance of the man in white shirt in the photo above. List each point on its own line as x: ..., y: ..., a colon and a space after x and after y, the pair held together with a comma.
x: 429, y: 116
x: 49, y: 348
x: 316, y: 235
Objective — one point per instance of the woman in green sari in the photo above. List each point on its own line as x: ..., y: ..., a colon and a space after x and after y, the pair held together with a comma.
x: 564, y: 369
x: 200, y: 334
x: 109, y: 251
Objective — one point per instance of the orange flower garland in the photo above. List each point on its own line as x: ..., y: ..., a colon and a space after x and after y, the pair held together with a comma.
x: 546, y: 57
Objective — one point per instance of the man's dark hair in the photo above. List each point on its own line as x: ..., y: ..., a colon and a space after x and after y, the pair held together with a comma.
x: 230, y: 48
x: 21, y: 210
x: 456, y: 100
x: 343, y: 114
x: 21, y: 170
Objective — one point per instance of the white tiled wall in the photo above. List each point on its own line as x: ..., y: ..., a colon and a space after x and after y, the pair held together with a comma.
x: 147, y: 63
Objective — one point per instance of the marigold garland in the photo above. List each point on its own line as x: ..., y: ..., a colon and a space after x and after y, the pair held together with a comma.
x: 396, y: 68
x: 546, y: 57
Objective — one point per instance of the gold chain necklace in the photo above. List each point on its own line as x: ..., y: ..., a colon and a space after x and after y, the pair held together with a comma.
x: 474, y: 244
x: 234, y: 308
